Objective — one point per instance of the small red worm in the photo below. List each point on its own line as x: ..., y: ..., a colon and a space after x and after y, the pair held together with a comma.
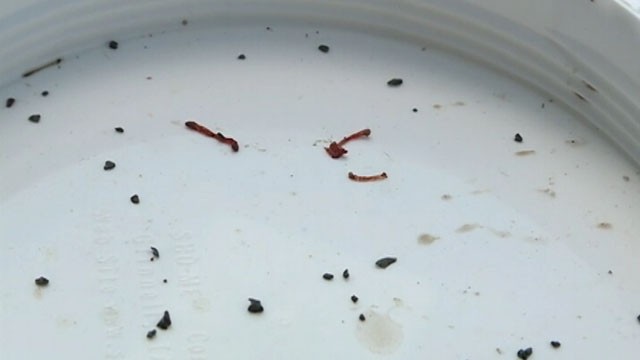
x: 218, y: 136
x: 336, y: 150
x: 360, y: 178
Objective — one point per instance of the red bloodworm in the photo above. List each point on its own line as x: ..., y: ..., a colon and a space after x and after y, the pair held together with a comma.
x: 360, y: 178
x: 218, y: 136
x: 336, y: 150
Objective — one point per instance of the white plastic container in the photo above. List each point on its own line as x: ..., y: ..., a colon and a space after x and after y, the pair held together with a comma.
x: 500, y: 245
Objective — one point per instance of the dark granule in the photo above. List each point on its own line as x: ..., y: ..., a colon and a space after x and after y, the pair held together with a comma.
x: 135, y: 199
x: 354, y: 299
x: 395, y: 82
x: 415, y: 110
x: 155, y: 252
x: 385, y: 262
x: 241, y: 57
x: 255, y: 307
x: 610, y: 272
x: 42, y: 67
x: 345, y: 273
x: 184, y: 22
x: 517, y: 138
x: 35, y: 118
x: 113, y: 45
x: 362, y: 318
x: 45, y: 93
x: 524, y: 354
x: 555, y: 344
x: 327, y: 276
x: 638, y: 318
x: 119, y: 130
x: 164, y: 281
x: 165, y: 322
x: 151, y: 334
x: 10, y: 101
x: 323, y: 48
x: 268, y: 28
x: 42, y: 281
x: 109, y: 165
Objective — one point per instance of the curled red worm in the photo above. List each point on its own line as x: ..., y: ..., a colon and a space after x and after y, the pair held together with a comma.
x: 218, y: 136
x: 360, y: 178
x: 336, y: 150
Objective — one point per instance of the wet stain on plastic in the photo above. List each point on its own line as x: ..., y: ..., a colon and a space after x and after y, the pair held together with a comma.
x: 379, y: 333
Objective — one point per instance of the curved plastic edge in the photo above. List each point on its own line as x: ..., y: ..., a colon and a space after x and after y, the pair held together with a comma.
x: 581, y: 53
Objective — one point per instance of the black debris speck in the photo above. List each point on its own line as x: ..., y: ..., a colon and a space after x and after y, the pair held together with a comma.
x: 524, y: 353
x: 323, y: 48
x: 164, y: 281
x: 517, y: 138
x: 42, y: 281
x: 35, y: 118
x: 345, y: 273
x: 241, y: 57
x: 255, y: 307
x: 555, y: 344
x: 135, y: 199
x: 385, y: 262
x: 268, y: 28
x: 354, y: 299
x: 638, y: 318
x: 119, y: 130
x: 362, y: 318
x: 113, y: 44
x: 327, y: 276
x: 45, y: 93
x: 185, y: 22
x: 151, y: 334
x: 395, y: 82
x: 165, y: 322
x: 155, y: 252
x: 415, y: 110
x: 10, y: 101
x: 109, y: 165
x: 610, y: 272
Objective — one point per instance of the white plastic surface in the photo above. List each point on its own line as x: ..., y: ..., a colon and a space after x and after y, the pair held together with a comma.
x: 495, y: 250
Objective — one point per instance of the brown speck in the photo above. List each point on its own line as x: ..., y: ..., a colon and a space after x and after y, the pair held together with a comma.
x: 426, y: 239
x: 467, y: 228
x: 345, y: 274
x: 367, y: 178
x: 362, y: 318
x: 395, y: 82
x: 626, y: 178
x: 155, y: 252
x: 10, y: 101
x: 165, y: 322
x: 135, y: 199
x: 459, y: 103
x: 109, y: 165
x: 549, y: 192
x: 113, y: 45
x: 518, y: 138
x: 498, y: 351
x: 42, y: 281
x: 446, y: 197
x: 605, y: 225
x: 327, y: 276
x: 255, y: 307
x: 437, y: 106
x: 35, y: 118
x: 525, y: 152
x: 119, y: 130
x: 354, y: 299
x: 151, y: 334
x: 385, y: 262
x: 555, y: 344
x: 323, y: 48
